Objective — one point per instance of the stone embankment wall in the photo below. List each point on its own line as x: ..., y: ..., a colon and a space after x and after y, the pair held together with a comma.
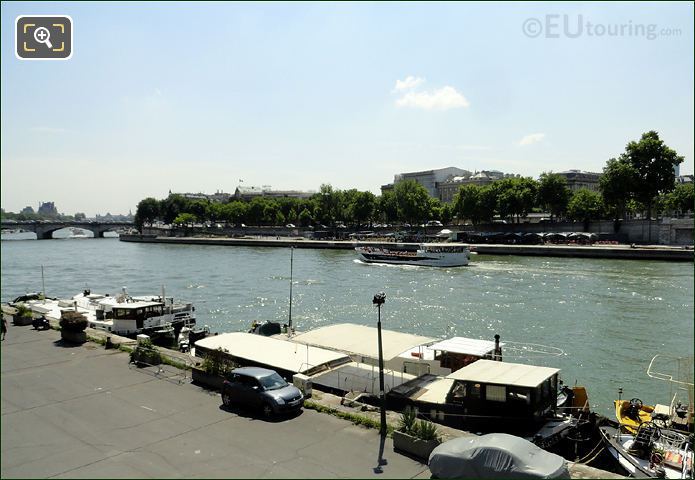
x: 664, y: 231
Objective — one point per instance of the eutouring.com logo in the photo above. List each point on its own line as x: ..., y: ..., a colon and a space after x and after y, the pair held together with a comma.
x: 575, y: 26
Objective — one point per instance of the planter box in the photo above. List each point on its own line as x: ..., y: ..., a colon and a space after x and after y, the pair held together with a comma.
x: 17, y: 320
x: 413, y: 446
x: 201, y: 377
x: 145, y: 358
x: 73, y: 337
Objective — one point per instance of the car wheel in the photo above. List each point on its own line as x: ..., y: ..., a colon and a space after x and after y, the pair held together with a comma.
x: 267, y: 410
x: 226, y: 399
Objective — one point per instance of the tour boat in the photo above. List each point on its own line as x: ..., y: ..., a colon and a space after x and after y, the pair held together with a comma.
x: 427, y: 254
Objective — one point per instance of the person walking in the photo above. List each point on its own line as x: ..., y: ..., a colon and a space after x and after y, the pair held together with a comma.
x: 4, y: 327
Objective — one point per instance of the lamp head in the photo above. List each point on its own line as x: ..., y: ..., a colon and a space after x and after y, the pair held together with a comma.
x: 379, y: 298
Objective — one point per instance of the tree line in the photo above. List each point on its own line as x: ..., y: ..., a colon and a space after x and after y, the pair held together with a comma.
x: 640, y: 179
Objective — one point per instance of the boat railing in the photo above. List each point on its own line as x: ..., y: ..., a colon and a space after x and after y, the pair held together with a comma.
x: 348, y: 381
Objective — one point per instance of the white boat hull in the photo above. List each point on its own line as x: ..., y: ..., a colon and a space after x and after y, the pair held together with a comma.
x: 420, y: 257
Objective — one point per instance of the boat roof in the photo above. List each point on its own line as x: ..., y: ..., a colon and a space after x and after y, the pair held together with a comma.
x: 361, y: 340
x: 133, y: 305
x: 466, y: 346
x: 504, y: 373
x: 273, y: 352
x: 436, y: 391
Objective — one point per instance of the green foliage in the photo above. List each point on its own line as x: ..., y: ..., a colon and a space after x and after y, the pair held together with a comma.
x: 680, y: 199
x: 147, y: 212
x: 146, y: 353
x: 515, y: 196
x: 654, y: 163
x: 425, y: 430
x: 407, y: 420
x: 23, y: 311
x: 217, y: 363
x: 585, y: 205
x: 352, y: 417
x: 553, y: 194
x: 73, y: 321
x: 305, y: 218
x: 617, y: 185
x: 412, y: 201
x: 185, y: 219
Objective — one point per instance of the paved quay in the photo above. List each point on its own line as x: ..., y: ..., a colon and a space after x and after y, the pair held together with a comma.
x: 625, y: 252
x: 83, y: 412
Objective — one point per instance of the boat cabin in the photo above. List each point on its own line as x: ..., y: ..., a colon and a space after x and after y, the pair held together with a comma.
x: 503, y: 389
x: 132, y: 317
x: 485, y: 395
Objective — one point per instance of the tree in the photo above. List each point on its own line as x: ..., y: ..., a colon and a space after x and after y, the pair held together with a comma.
x: 681, y: 198
x: 362, y: 207
x: 305, y: 218
x: 80, y: 216
x: 654, y: 163
x: 185, y: 219
x: 553, y: 194
x: 617, y: 185
x: 172, y: 206
x: 386, y: 206
x: 412, y: 201
x: 466, y: 203
x: 516, y: 196
x: 447, y: 214
x: 146, y: 212
x: 585, y: 205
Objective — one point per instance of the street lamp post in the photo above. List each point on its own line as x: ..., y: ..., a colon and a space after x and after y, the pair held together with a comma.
x: 379, y: 300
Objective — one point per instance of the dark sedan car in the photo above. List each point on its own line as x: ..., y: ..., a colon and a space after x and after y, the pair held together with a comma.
x: 261, y: 388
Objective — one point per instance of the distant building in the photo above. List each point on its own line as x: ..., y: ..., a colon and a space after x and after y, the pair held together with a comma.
x: 249, y: 193
x: 47, y: 209
x: 27, y: 211
x: 218, y: 196
x: 577, y: 179
x: 684, y: 179
x: 448, y: 189
x: 430, y: 178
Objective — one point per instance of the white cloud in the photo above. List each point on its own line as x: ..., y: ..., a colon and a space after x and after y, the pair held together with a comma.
x: 531, y: 139
x: 444, y: 98
x: 409, y: 83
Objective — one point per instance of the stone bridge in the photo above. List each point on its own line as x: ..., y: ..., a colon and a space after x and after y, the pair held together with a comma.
x: 44, y: 228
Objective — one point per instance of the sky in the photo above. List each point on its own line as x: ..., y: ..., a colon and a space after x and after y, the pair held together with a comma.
x: 198, y: 97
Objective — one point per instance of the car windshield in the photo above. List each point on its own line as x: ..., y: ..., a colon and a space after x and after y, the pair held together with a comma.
x: 272, y: 382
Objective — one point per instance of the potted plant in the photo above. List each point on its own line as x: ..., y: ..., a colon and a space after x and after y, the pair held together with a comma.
x: 211, y: 372
x: 22, y: 316
x: 145, y: 354
x: 72, y: 326
x: 416, y: 438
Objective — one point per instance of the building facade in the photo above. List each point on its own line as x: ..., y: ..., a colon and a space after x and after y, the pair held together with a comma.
x: 577, y: 179
x: 430, y: 178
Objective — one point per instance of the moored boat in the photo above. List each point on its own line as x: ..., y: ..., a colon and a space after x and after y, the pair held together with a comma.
x: 632, y: 413
x: 653, y: 452
x: 427, y: 254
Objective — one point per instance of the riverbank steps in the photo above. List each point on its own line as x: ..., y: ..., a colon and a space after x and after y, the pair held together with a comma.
x: 26, y: 465
x: 626, y: 252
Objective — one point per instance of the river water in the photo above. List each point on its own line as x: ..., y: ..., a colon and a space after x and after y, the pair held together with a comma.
x: 609, y: 317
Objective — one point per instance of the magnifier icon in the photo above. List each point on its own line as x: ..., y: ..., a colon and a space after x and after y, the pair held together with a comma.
x: 43, y: 35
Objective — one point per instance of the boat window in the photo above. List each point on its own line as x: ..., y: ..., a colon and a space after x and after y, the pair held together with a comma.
x: 474, y: 390
x: 516, y: 394
x: 459, y: 392
x: 495, y: 393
